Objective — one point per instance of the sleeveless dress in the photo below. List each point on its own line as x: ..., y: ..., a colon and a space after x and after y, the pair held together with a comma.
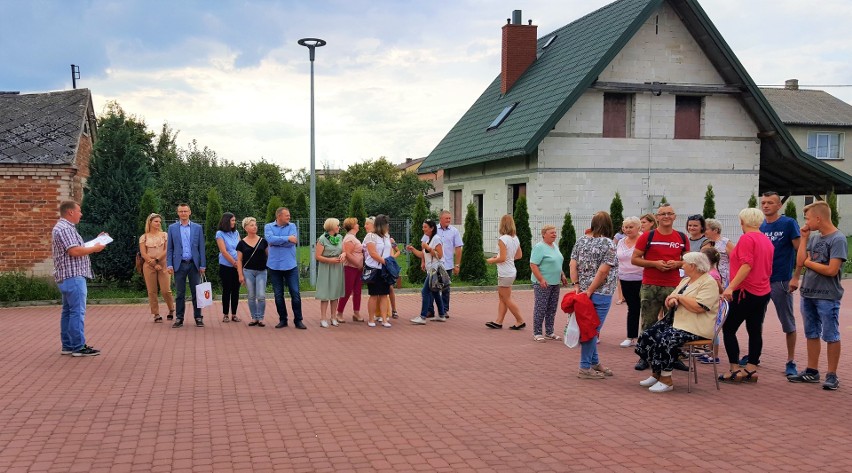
x: 329, y: 276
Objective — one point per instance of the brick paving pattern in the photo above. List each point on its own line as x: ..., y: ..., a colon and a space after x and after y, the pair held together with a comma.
x: 441, y: 397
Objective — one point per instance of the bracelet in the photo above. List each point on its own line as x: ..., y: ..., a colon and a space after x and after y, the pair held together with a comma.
x: 575, y: 284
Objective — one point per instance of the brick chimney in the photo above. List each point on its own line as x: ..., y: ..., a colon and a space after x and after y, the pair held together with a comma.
x: 519, y: 47
x: 791, y: 84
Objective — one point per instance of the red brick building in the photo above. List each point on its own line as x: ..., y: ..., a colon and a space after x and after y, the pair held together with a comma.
x: 46, y: 142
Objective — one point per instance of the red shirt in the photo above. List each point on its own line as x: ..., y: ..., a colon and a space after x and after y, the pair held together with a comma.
x: 663, y: 248
x: 755, y: 250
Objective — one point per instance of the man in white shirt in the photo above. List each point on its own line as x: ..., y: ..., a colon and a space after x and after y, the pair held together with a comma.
x: 452, y: 243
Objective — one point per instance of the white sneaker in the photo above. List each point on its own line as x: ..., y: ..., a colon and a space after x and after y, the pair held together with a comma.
x: 378, y: 319
x: 647, y: 383
x: 323, y: 324
x: 386, y: 325
x: 334, y: 323
x: 440, y: 318
x: 418, y: 320
x: 660, y: 387
x: 371, y: 324
x: 626, y: 343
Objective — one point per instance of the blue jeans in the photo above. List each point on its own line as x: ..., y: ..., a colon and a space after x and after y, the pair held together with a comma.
x: 71, y: 325
x: 821, y: 317
x: 291, y: 278
x: 256, y: 287
x: 186, y: 270
x: 589, y: 350
x: 428, y: 297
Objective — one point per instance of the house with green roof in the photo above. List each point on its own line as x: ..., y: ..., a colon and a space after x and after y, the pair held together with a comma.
x: 643, y: 97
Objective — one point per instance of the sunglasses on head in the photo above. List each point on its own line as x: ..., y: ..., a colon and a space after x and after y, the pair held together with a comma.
x: 695, y: 217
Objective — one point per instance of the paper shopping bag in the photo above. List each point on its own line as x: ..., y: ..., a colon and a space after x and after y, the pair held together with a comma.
x: 204, y: 295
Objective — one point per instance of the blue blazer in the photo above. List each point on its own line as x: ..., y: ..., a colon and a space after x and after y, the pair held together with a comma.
x: 174, y: 249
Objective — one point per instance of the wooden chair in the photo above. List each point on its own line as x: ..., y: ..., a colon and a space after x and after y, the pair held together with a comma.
x: 692, y: 349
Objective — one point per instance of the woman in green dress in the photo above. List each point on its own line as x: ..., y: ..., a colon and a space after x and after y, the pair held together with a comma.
x: 329, y: 254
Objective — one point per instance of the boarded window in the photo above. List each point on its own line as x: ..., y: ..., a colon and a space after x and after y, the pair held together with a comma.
x: 616, y: 116
x: 687, y: 117
x: 456, y: 197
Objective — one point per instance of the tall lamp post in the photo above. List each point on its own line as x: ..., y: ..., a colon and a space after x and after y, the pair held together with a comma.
x: 312, y: 44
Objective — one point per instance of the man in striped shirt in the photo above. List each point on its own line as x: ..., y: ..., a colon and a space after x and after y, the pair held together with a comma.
x: 71, y: 268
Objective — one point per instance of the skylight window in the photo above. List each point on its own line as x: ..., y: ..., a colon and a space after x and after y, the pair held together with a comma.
x: 502, y: 117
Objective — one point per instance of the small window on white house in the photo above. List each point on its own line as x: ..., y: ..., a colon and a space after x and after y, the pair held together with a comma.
x: 825, y: 145
x: 501, y: 117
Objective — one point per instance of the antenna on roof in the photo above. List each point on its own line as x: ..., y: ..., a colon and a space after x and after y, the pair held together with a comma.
x: 75, y: 74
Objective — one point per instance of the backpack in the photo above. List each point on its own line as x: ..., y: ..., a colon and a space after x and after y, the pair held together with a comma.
x: 683, y: 249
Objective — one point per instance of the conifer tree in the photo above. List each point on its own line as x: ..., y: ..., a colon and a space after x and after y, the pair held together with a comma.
x: 262, y: 194
x: 472, y: 266
x: 831, y: 200
x: 752, y: 201
x: 663, y: 201
x: 522, y: 224
x: 357, y: 210
x: 709, y: 203
x: 790, y: 209
x: 214, y: 215
x: 566, y: 242
x: 616, y: 210
x: 420, y: 213
x: 273, y: 205
x: 147, y: 206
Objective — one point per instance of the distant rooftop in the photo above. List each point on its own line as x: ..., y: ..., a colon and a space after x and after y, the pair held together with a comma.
x: 808, y: 107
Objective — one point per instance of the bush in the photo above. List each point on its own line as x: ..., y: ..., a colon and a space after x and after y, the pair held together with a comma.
x: 522, y: 224
x: 472, y: 266
x: 790, y: 209
x: 709, y: 203
x: 415, y: 273
x: 566, y: 242
x: 357, y: 210
x: 214, y: 215
x: 831, y: 200
x: 752, y: 202
x: 616, y: 210
x: 16, y: 286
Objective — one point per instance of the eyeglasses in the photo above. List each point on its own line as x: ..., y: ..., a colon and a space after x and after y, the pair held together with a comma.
x: 666, y: 214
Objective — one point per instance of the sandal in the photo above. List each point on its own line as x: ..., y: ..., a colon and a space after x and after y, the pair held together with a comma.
x: 602, y: 369
x: 340, y: 319
x: 493, y: 325
x: 260, y: 323
x: 539, y: 338
x: 158, y: 319
x: 733, y: 378
x: 226, y: 319
x: 253, y: 323
x: 355, y: 318
x: 234, y: 318
x: 750, y: 377
x: 518, y: 327
x: 171, y: 315
x: 553, y: 336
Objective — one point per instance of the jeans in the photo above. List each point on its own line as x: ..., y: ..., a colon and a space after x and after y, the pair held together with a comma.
x: 291, y: 278
x: 428, y: 297
x: 256, y: 287
x: 186, y: 270
x: 821, y: 317
x: 71, y: 325
x: 589, y: 350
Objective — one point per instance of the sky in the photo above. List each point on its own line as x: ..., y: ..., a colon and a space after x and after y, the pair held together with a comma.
x: 393, y: 79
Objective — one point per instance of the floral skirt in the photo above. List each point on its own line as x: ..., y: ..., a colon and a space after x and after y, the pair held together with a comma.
x: 660, y: 345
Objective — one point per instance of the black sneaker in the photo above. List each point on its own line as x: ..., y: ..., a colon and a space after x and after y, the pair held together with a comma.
x: 680, y: 366
x: 178, y: 323
x: 642, y: 365
x: 807, y: 376
x: 831, y: 382
x: 86, y: 351
x: 199, y: 322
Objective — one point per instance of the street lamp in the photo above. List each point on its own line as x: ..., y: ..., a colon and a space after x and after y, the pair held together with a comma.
x: 312, y: 44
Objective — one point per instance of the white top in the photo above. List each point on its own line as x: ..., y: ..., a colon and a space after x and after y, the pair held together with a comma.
x: 383, y: 247
x: 431, y: 261
x: 627, y: 271
x: 507, y: 269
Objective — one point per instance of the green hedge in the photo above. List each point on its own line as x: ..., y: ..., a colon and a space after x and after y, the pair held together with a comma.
x: 17, y: 286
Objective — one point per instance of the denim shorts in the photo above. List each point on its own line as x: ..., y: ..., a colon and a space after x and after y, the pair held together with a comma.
x: 821, y: 317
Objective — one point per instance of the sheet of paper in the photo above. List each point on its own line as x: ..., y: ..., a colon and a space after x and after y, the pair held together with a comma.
x: 102, y: 239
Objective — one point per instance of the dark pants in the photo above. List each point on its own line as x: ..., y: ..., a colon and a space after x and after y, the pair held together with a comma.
x: 630, y: 291
x: 290, y: 277
x: 230, y: 288
x: 186, y: 270
x: 751, y: 309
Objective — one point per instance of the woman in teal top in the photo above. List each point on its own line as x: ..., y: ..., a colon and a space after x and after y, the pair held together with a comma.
x: 546, y: 265
x: 329, y: 254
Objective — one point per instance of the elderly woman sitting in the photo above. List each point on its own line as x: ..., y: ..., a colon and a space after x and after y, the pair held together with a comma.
x: 696, y: 301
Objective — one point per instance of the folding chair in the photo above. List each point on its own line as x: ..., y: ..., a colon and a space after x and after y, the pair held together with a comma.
x: 692, y: 348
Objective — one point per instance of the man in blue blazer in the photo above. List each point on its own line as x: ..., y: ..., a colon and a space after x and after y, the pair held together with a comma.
x: 185, y: 257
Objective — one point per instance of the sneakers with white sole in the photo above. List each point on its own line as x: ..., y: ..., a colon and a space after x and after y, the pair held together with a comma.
x: 323, y: 324
x: 627, y: 343
x: 660, y: 387
x: 589, y: 374
x: 418, y: 320
x: 386, y: 325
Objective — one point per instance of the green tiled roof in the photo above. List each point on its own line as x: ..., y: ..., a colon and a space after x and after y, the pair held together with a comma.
x: 550, y: 86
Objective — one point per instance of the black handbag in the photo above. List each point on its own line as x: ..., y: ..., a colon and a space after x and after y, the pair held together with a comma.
x: 371, y: 275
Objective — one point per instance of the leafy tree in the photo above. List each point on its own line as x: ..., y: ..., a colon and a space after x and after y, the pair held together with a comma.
x: 415, y: 274
x: 709, y: 203
x: 790, y: 209
x: 214, y: 215
x: 120, y: 171
x: 472, y: 267
x: 262, y: 193
x: 522, y: 224
x: 356, y: 209
x: 831, y: 200
x: 752, y: 201
x: 566, y: 242
x: 273, y: 205
x: 148, y: 205
x: 616, y: 210
x: 165, y: 149
x: 300, y: 209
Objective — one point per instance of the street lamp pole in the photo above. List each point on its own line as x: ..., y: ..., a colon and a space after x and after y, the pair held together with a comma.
x: 312, y: 44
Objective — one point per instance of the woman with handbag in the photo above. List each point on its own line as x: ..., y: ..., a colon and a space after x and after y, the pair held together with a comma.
x: 508, y: 251
x: 377, y: 247
x: 252, y: 252
x: 152, y: 250
x: 330, y: 257
x: 430, y: 260
x: 353, y: 266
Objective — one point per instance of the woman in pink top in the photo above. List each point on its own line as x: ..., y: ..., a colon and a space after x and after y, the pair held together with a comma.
x: 353, y: 265
x: 630, y: 277
x: 748, y: 294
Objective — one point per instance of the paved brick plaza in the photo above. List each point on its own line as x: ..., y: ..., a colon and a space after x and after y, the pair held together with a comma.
x: 441, y: 397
